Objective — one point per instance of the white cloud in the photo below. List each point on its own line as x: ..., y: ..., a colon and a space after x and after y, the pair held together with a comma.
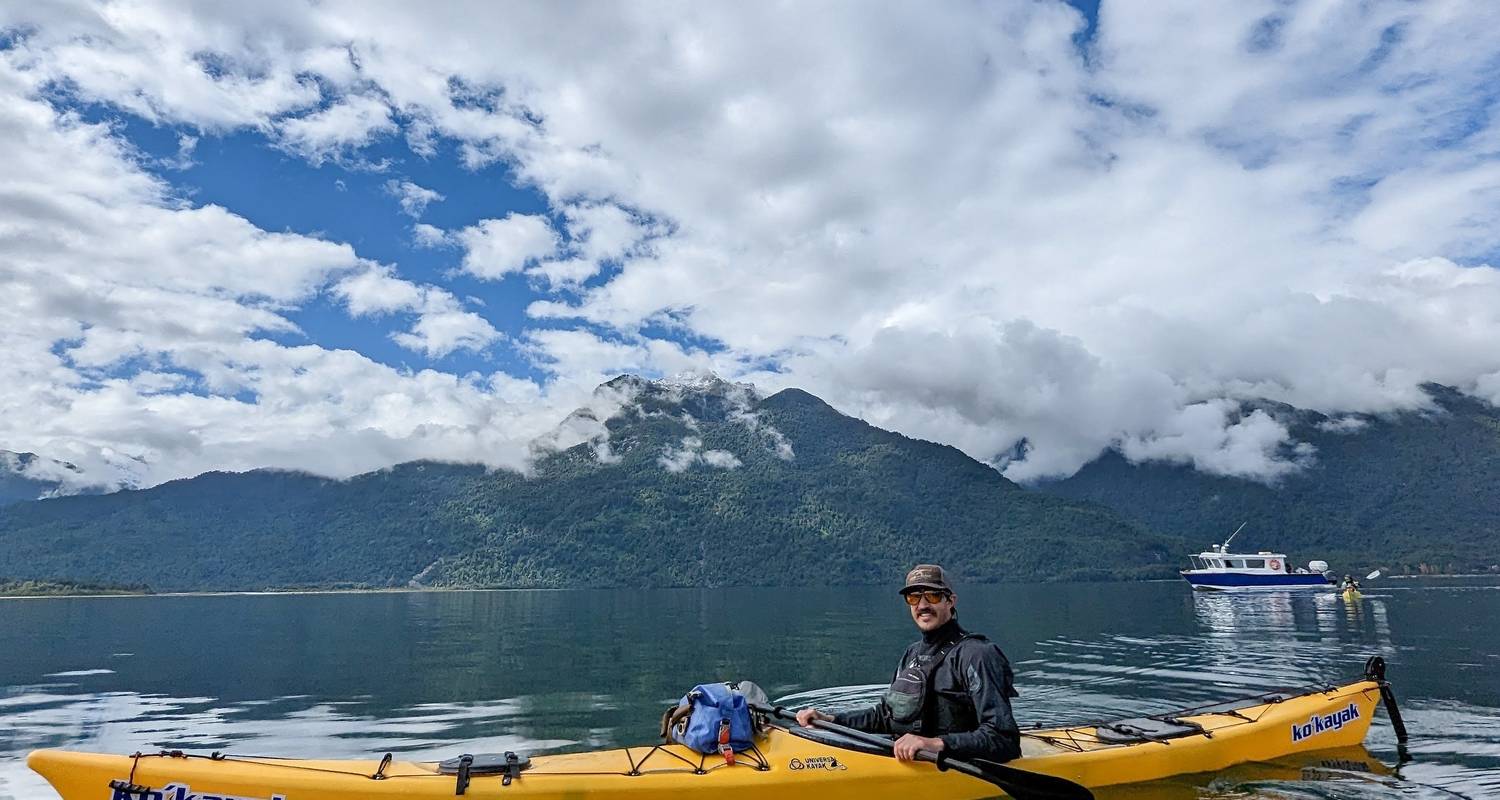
x: 1210, y: 438
x: 429, y: 236
x: 1349, y: 424
x: 121, y: 299
x: 167, y: 65
x: 568, y: 272
x: 720, y: 459
x: 348, y: 123
x: 442, y: 324
x: 1488, y: 387
x: 691, y: 452
x: 960, y: 229
x: 414, y: 199
x: 377, y: 291
x: 440, y: 333
x: 599, y: 233
x: 184, y: 158
x: 494, y: 248
x: 605, y: 232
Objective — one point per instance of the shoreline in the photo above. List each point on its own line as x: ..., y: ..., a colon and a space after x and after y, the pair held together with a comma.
x: 429, y: 589
x: 279, y: 592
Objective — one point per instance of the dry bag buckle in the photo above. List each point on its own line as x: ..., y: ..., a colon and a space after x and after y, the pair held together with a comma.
x: 724, y: 749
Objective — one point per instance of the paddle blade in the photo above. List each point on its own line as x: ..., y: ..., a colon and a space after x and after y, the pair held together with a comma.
x: 1027, y: 785
x: 1372, y: 576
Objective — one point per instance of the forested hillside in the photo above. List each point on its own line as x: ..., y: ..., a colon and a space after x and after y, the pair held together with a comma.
x: 701, y: 485
x: 1412, y: 492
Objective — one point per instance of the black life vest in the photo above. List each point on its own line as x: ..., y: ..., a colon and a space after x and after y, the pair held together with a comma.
x: 915, y: 705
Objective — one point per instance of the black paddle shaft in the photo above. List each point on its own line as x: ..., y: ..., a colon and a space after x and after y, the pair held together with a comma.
x: 1375, y: 671
x: 1018, y: 783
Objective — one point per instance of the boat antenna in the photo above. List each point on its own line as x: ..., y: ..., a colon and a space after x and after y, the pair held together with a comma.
x: 1224, y: 548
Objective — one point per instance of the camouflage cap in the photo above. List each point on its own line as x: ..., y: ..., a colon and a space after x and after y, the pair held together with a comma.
x: 926, y: 576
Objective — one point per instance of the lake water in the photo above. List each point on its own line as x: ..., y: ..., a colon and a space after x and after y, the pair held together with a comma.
x: 429, y: 675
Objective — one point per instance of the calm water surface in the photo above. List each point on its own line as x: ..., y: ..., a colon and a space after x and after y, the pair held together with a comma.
x: 430, y: 675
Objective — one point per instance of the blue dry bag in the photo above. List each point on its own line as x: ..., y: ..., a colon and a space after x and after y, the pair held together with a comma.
x: 718, y: 722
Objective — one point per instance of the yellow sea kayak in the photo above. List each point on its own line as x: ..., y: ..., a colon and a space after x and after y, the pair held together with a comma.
x: 788, y: 762
x: 1351, y: 594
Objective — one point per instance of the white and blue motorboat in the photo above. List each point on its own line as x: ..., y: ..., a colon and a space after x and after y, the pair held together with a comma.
x: 1218, y: 569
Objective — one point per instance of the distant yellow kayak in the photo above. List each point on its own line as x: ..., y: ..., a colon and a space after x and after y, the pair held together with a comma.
x: 1352, y: 594
x: 786, y: 763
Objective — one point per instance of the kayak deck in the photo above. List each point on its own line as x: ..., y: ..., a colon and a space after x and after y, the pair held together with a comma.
x: 785, y: 764
x: 786, y: 767
x: 1221, y: 736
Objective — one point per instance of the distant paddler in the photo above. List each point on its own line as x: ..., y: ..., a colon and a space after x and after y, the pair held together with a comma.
x: 1351, y: 588
x: 951, y: 692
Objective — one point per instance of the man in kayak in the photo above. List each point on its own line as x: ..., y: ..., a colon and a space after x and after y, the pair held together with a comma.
x: 951, y: 692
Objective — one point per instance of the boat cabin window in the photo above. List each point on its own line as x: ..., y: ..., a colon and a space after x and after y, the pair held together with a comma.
x: 1255, y: 563
x: 1235, y: 563
x: 1214, y: 563
x: 1197, y: 562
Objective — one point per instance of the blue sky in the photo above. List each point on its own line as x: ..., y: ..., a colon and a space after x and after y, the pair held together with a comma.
x: 345, y: 199
x: 1084, y: 226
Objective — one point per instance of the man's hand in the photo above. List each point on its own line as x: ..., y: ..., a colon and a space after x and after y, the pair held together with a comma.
x: 907, y: 746
x: 806, y: 716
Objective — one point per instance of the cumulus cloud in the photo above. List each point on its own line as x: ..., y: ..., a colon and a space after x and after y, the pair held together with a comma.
x: 378, y: 290
x: 441, y: 332
x: 494, y: 248
x: 566, y: 272
x: 442, y: 324
x: 598, y: 234
x: 964, y: 229
x: 429, y: 236
x: 414, y: 199
x: 133, y: 330
x: 1214, y: 438
x: 348, y: 123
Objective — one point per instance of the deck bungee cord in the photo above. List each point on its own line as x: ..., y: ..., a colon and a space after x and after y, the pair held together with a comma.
x: 753, y: 759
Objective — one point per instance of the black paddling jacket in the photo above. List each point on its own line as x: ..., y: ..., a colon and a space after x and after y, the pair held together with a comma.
x: 968, y: 698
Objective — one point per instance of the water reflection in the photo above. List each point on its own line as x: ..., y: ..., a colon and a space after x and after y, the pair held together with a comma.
x: 427, y: 675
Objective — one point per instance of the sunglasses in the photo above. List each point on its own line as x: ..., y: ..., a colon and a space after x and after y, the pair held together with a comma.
x: 932, y: 598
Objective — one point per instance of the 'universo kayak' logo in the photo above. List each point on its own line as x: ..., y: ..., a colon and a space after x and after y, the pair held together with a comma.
x: 181, y: 791
x: 1321, y: 723
x: 816, y: 762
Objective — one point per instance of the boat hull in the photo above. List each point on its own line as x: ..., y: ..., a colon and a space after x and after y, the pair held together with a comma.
x: 785, y: 765
x: 1249, y: 582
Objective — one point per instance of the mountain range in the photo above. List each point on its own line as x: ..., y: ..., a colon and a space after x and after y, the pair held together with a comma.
x: 706, y: 483
x: 27, y: 476
x: 1411, y: 492
x: 701, y: 483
